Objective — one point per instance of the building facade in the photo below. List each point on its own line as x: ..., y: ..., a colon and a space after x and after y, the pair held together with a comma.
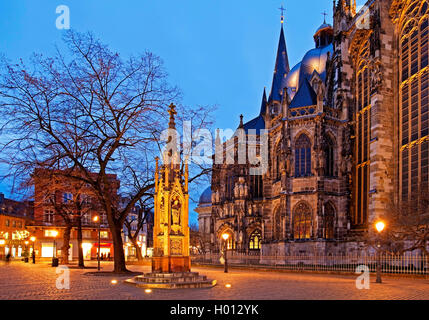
x: 58, y: 204
x: 347, y: 135
x: 14, y: 236
x: 140, y: 224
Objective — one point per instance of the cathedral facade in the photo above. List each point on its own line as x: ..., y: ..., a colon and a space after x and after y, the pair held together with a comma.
x: 348, y: 133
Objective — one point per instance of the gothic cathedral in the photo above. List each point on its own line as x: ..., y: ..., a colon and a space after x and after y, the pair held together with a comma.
x: 348, y: 133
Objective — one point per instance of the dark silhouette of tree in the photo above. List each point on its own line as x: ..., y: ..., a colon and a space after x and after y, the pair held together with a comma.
x: 90, y: 113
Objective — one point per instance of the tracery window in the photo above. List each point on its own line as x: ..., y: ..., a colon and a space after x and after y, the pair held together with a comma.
x: 277, y: 157
x: 256, y: 186
x: 413, y: 101
x: 302, y: 221
x: 255, y: 240
x: 329, y: 154
x: 328, y: 221
x: 303, y: 156
x: 230, y: 187
x: 363, y: 135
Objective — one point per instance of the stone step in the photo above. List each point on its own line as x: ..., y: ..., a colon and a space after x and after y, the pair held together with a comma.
x: 169, y: 280
x: 171, y: 275
x: 172, y: 285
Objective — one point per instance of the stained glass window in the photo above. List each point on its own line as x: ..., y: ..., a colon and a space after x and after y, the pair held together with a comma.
x: 303, y: 156
x: 255, y: 240
x: 414, y: 104
x: 302, y: 221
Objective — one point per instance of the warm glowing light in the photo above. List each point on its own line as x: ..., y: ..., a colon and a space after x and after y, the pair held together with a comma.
x: 114, y: 281
x: 148, y: 290
x: 26, y: 242
x: 2, y: 242
x: 33, y: 239
x: 380, y: 226
x: 225, y: 236
x: 228, y: 285
x: 95, y: 219
x: 54, y: 233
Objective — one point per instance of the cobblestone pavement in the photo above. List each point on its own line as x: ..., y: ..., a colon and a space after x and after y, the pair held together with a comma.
x: 20, y: 280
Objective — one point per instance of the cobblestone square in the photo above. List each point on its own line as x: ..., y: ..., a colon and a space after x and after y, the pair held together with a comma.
x: 21, y: 281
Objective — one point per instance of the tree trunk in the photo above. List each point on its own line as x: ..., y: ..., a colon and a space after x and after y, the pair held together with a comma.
x: 118, y: 254
x: 66, y: 244
x: 81, y: 263
x: 138, y: 249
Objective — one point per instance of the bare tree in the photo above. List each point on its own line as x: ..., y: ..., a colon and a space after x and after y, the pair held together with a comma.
x: 89, y: 113
x: 139, y: 221
x: 408, y: 223
x: 197, y: 238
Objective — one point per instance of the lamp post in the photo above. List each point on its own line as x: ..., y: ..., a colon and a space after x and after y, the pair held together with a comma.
x: 379, y: 226
x: 26, y: 251
x: 225, y: 237
x: 97, y: 219
x: 33, y: 254
x: 2, y: 243
x: 54, y: 251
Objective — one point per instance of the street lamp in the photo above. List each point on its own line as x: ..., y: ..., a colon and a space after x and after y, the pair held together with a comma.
x: 225, y: 237
x: 97, y: 219
x: 54, y: 253
x: 379, y: 226
x: 26, y: 251
x: 33, y: 254
x: 2, y: 243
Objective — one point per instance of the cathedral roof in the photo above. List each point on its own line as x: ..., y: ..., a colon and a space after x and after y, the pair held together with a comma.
x: 324, y: 26
x: 206, y: 197
x: 257, y: 124
x: 280, y: 71
x: 315, y: 60
x: 304, y: 97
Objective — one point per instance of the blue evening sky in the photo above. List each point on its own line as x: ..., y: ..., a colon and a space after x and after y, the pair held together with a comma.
x: 219, y: 52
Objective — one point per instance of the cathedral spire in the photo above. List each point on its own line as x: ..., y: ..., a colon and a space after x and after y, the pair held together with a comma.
x: 172, y: 112
x: 241, y: 121
x: 281, y: 69
x: 264, y: 103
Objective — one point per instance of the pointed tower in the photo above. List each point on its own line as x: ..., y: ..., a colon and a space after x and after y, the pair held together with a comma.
x: 345, y: 8
x: 171, y: 228
x: 281, y: 69
x: 264, y: 104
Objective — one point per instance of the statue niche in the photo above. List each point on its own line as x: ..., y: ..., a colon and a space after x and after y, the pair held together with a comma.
x: 176, y: 212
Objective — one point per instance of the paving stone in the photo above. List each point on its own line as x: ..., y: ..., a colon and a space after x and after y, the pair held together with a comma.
x: 21, y: 281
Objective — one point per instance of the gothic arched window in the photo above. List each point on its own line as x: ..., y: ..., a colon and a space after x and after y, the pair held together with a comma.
x: 255, y: 240
x: 362, y: 117
x: 302, y: 221
x: 413, y: 100
x: 277, y: 156
x: 230, y: 183
x: 277, y: 225
x: 328, y: 221
x: 330, y: 156
x: 256, y: 186
x: 302, y: 156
